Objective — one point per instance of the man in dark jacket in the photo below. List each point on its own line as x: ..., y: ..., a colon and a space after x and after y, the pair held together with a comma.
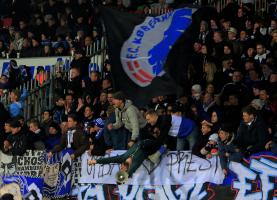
x: 74, y: 138
x: 81, y: 62
x: 252, y: 133
x: 152, y: 137
x: 35, y: 136
x: 16, y: 142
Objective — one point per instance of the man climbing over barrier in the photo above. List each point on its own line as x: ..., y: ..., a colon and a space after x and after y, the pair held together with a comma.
x: 152, y: 140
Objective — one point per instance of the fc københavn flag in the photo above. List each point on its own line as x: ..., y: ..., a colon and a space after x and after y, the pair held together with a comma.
x: 139, y: 47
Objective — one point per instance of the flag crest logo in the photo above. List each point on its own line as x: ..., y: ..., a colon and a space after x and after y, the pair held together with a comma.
x: 143, y: 55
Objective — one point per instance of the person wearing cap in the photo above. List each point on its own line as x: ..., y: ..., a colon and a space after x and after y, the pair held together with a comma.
x: 257, y: 104
x: 227, y: 150
x: 232, y: 33
x: 211, y: 148
x: 127, y: 115
x: 96, y: 138
x: 16, y: 142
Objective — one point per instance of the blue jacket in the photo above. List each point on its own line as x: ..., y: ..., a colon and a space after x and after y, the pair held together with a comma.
x: 228, y: 147
x: 16, y: 108
x: 181, y: 127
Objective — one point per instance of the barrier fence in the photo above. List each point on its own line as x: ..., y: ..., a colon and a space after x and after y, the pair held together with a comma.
x: 41, y: 86
x: 259, y: 5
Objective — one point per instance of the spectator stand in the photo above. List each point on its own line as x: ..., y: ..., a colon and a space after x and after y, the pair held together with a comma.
x: 41, y: 93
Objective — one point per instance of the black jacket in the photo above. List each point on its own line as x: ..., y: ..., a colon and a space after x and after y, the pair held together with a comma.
x: 252, y: 139
x: 99, y: 144
x: 201, y: 142
x: 35, y: 137
x: 148, y: 142
x: 18, y: 142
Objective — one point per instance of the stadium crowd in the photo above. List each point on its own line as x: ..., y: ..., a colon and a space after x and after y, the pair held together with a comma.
x: 230, y: 109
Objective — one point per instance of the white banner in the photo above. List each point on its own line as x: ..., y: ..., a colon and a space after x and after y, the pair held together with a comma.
x: 30, y: 164
x: 96, y: 63
x: 45, y: 62
x: 175, y: 168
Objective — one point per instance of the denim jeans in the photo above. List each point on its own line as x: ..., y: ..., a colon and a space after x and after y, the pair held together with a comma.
x: 117, y: 139
x: 188, y: 142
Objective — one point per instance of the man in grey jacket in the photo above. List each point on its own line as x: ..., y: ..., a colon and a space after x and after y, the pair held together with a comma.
x: 127, y: 115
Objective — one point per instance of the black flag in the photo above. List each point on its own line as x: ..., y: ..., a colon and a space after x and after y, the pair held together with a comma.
x: 139, y: 47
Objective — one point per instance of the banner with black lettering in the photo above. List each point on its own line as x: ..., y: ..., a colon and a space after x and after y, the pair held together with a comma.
x: 21, y: 175
x: 253, y: 178
x: 175, y: 167
x: 192, y: 178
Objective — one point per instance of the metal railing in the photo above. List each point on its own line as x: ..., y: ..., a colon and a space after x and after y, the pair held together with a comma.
x: 259, y: 5
x: 39, y: 97
x: 42, y: 96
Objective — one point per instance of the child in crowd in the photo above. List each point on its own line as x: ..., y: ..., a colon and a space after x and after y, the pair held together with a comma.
x: 203, y: 139
x: 227, y: 150
x: 211, y: 148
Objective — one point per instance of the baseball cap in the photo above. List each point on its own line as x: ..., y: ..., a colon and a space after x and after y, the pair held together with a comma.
x: 213, y: 137
x: 233, y: 30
